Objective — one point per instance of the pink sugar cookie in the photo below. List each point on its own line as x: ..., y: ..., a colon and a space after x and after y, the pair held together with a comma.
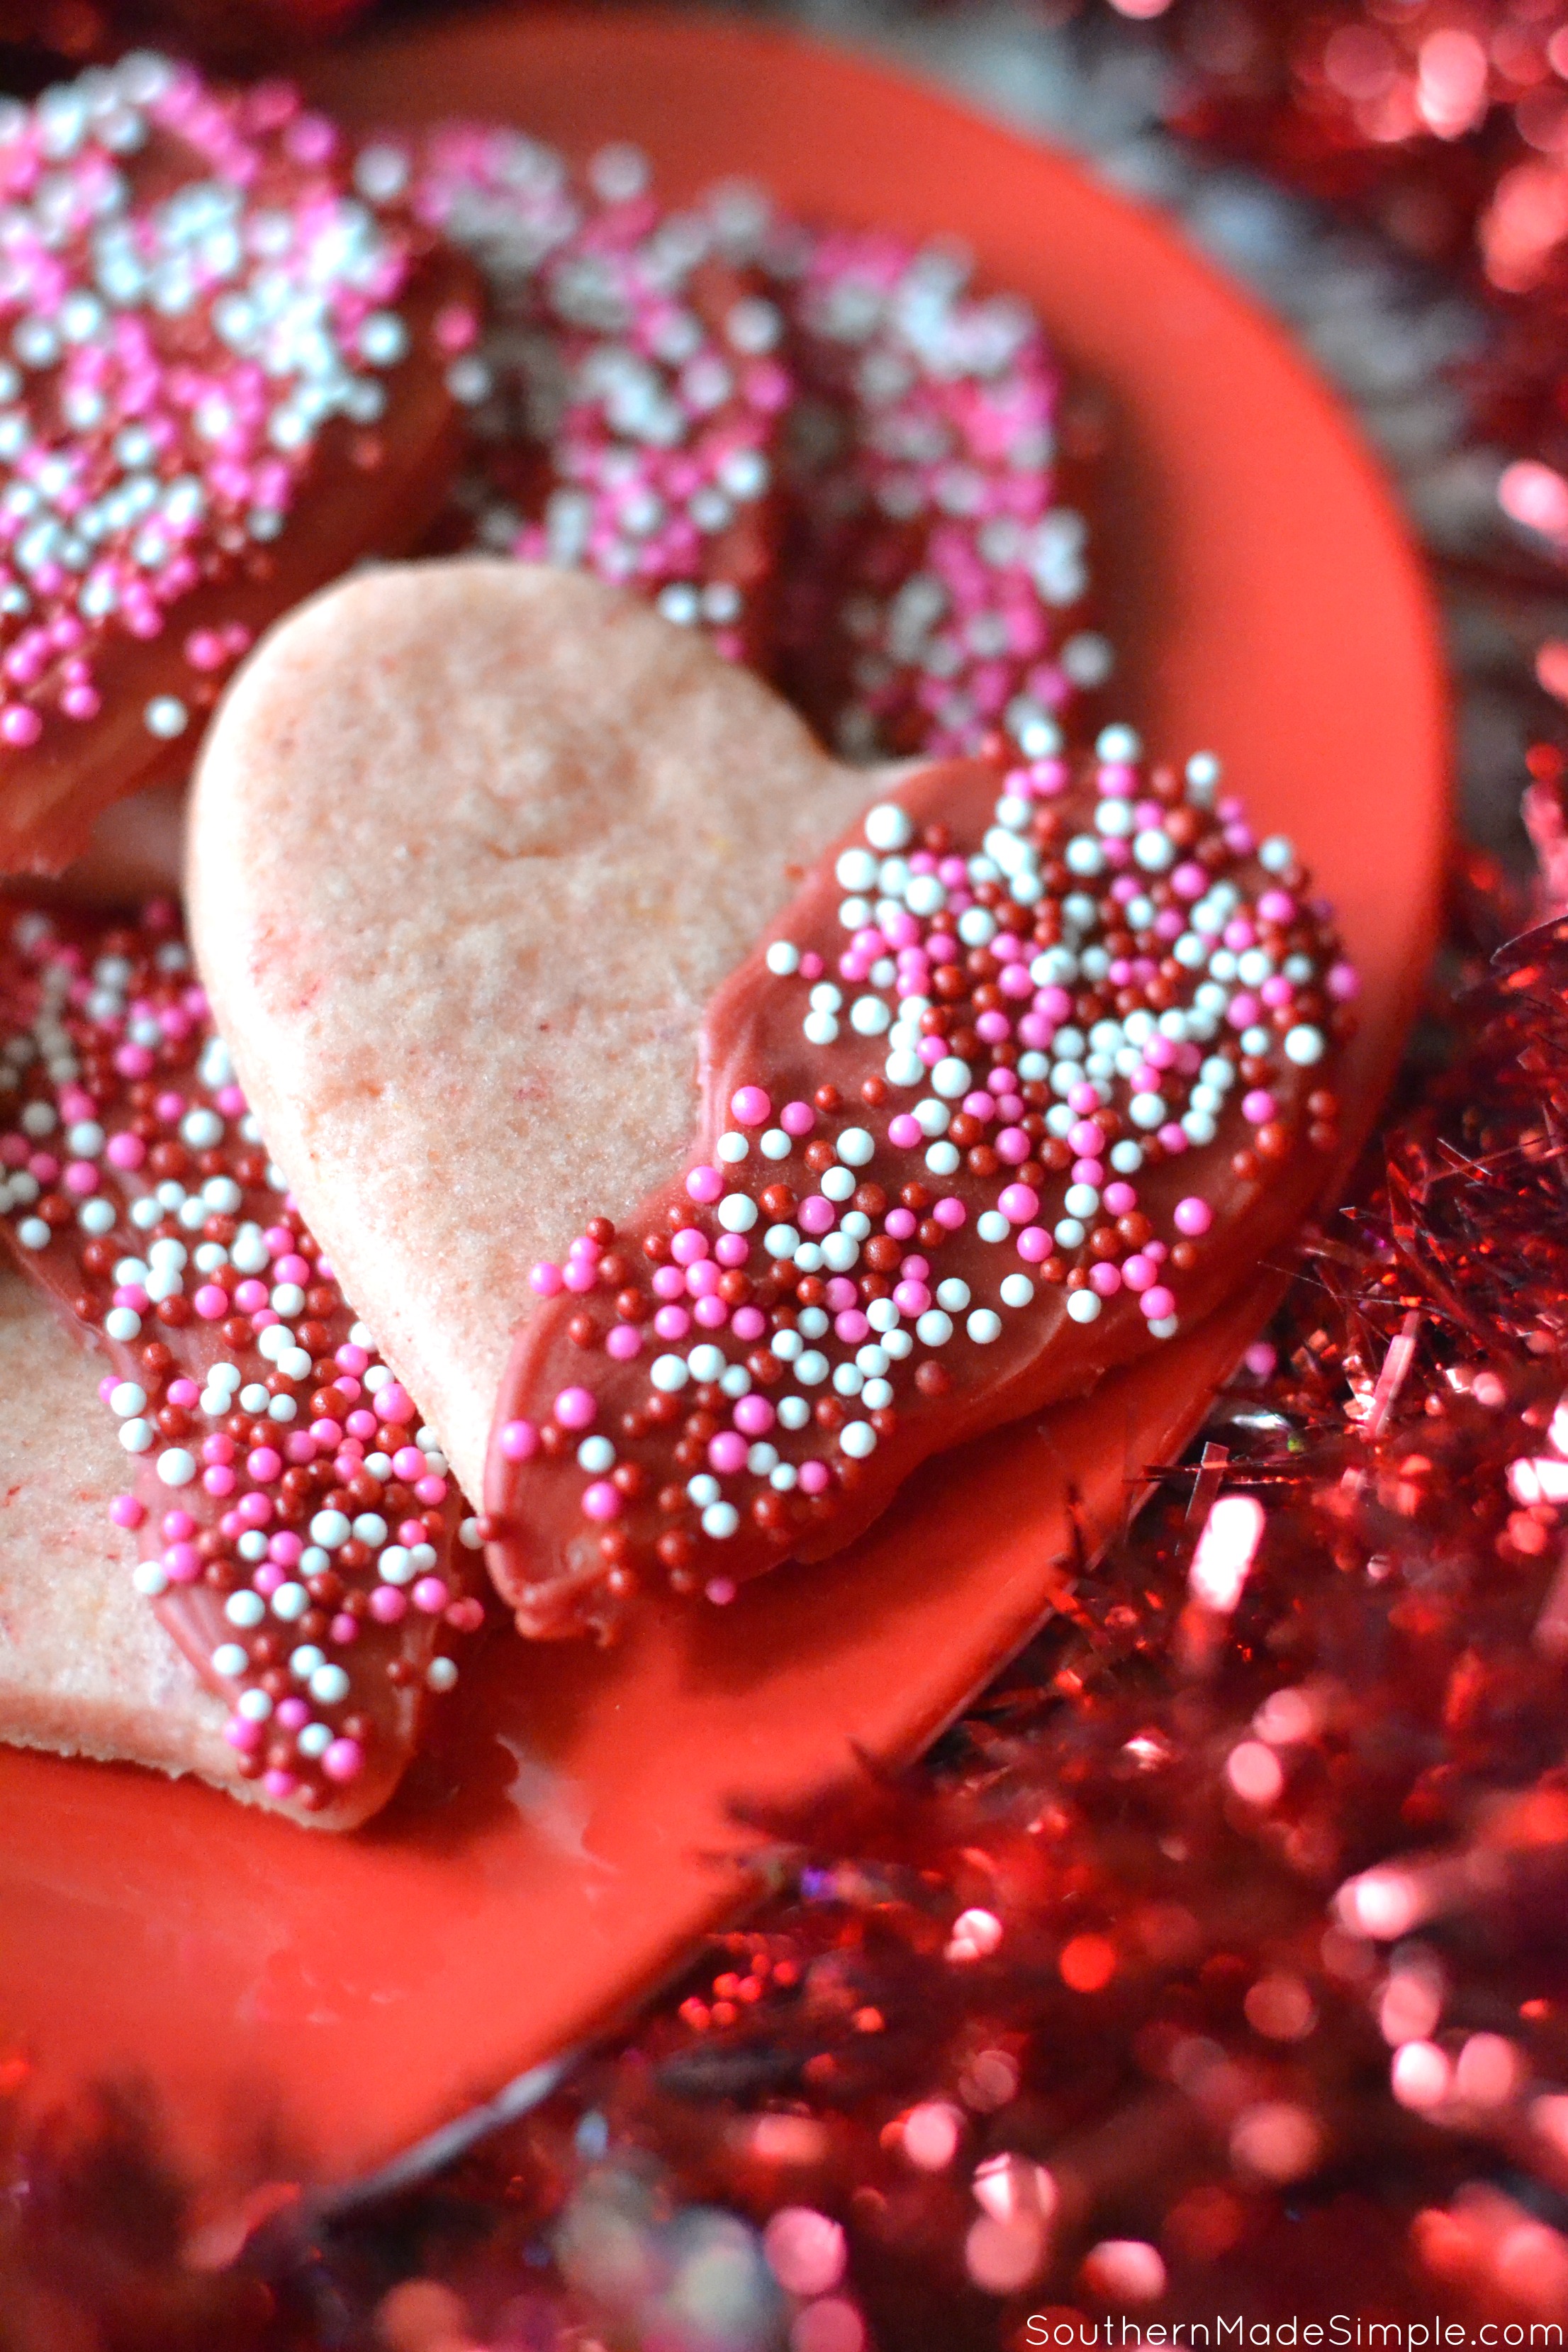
x: 86, y: 1667
x: 459, y: 919
x: 714, y: 1144
x: 229, y: 1545
x: 223, y: 378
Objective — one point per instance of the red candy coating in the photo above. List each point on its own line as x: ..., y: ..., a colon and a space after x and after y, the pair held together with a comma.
x: 1071, y: 1086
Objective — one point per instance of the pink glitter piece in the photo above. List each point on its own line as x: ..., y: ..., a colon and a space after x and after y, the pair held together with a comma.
x: 1105, y: 1281
x: 814, y: 1477
x: 519, y: 1441
x: 731, y: 1249
x: 362, y: 1424
x: 545, y: 1281
x: 841, y: 1293
x: 669, y: 1282
x: 388, y: 1605
x: 851, y: 1326
x: 749, y: 1106
x: 126, y: 1512
x: 720, y: 1590
x: 672, y: 1323
x: 293, y: 1714
x: 1258, y: 1106
x: 242, y: 1734
x: 1173, y: 1138
x: 219, y: 1481
x: 430, y: 1596
x: 344, y: 1629
x: 393, y: 1403
x: 1158, y: 1303
x: 901, y: 1223
x: 278, y: 1785
x: 1012, y: 1146
x: 581, y: 1275
x: 950, y: 1214
x: 686, y: 1247
x: 1033, y: 1244
x: 1018, y: 1203
x: 711, y: 1313
x: 727, y: 1453
x: 753, y: 1415
x: 797, y: 1119
x: 431, y: 1491
x: 211, y: 1303
x: 816, y: 1215
x: 1193, y: 1217
x: 904, y: 1132
x: 600, y: 1501
x: 623, y: 1342
x: 250, y: 1298
x: 705, y: 1184
x: 748, y: 1323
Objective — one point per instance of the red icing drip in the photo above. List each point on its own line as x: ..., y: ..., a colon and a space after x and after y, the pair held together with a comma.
x: 866, y: 1287
x: 115, y: 1098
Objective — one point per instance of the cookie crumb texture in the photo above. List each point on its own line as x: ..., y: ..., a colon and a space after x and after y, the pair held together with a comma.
x: 223, y: 378
x: 297, y: 1530
x: 1029, y: 1076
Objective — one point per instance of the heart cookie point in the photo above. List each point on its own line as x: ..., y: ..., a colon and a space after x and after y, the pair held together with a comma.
x: 471, y: 847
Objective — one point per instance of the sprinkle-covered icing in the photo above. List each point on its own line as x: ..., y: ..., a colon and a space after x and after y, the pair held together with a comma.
x: 1035, y: 1063
x: 192, y: 292
x: 628, y: 396
x: 295, y: 1525
x: 650, y: 376
x: 940, y: 557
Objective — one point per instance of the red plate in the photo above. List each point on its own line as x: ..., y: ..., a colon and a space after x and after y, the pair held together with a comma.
x: 317, y: 2004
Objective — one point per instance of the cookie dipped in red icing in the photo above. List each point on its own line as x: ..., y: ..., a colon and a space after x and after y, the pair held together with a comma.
x: 626, y: 403
x: 295, y: 1525
x: 223, y: 380
x: 1031, y: 1074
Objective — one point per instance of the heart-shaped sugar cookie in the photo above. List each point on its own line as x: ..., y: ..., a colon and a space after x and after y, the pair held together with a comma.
x: 225, y: 379
x: 472, y: 845
x: 500, y: 887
